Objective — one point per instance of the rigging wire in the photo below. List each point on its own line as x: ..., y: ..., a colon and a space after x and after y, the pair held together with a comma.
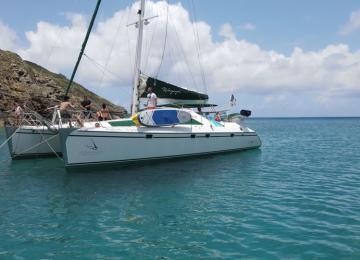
x: 197, y: 44
x: 101, y: 67
x: 109, y: 54
x: 181, y: 63
x: 83, y: 47
x: 182, y: 52
x: 148, y: 46
x: 104, y: 68
x: 56, y: 43
x: 165, y: 39
x: 132, y: 61
x: 128, y: 17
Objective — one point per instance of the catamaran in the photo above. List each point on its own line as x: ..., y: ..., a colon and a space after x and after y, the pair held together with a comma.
x: 158, y: 134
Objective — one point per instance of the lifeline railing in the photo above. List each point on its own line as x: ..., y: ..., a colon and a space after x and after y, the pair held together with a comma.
x: 29, y: 117
x: 26, y: 116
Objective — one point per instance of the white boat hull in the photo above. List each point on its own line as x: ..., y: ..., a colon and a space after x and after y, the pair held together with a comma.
x: 31, y: 141
x: 90, y: 146
x: 101, y: 148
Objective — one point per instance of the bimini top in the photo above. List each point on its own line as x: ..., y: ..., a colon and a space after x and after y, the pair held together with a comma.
x: 187, y: 105
x: 169, y: 93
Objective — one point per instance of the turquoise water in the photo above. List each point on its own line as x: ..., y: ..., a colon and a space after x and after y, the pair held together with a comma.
x: 296, y: 197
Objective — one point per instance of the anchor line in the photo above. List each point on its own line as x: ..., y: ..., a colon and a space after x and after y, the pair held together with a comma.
x: 36, y: 145
x: 11, y: 136
x: 46, y: 140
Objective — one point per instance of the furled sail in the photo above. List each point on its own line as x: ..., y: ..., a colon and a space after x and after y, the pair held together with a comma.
x: 169, y: 93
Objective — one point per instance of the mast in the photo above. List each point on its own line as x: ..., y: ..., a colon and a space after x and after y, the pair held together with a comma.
x: 83, y: 46
x: 140, y: 25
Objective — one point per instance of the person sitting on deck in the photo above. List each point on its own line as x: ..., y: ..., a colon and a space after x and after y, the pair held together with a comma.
x: 103, y: 114
x: 65, y: 107
x: 152, y: 99
x: 217, y: 117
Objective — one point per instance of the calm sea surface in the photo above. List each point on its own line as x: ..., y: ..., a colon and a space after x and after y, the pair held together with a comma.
x: 296, y: 197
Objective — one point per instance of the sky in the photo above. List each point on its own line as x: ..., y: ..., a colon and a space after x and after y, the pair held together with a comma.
x: 279, y: 58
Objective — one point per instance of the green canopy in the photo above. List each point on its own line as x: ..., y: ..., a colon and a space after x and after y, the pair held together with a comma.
x: 179, y: 105
x: 171, y: 93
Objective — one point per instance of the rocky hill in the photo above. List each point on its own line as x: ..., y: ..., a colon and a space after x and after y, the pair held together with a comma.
x: 26, y: 82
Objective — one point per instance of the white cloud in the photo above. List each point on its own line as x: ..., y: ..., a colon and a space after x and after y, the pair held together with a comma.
x: 229, y: 64
x: 331, y: 71
x: 53, y: 46
x: 248, y: 27
x: 352, y: 24
x: 8, y: 38
x: 227, y: 32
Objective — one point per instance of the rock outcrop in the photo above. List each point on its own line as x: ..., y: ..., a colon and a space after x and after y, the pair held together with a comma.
x: 26, y: 82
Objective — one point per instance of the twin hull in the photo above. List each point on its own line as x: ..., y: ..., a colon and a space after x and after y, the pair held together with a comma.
x: 102, y: 147
x: 32, y: 141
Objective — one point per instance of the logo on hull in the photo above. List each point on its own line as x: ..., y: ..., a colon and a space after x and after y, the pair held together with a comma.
x: 92, y: 146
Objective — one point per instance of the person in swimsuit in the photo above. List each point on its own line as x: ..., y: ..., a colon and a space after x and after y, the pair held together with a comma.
x: 103, y: 114
x: 65, y: 107
x: 217, y: 117
x: 18, y: 112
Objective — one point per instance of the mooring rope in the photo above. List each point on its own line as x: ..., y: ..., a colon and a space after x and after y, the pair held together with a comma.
x: 36, y: 145
x: 8, y: 139
x: 61, y: 159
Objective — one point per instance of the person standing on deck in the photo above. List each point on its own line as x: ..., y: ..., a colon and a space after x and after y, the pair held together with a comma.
x: 86, y: 104
x: 152, y: 99
x: 18, y: 113
x: 65, y: 107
